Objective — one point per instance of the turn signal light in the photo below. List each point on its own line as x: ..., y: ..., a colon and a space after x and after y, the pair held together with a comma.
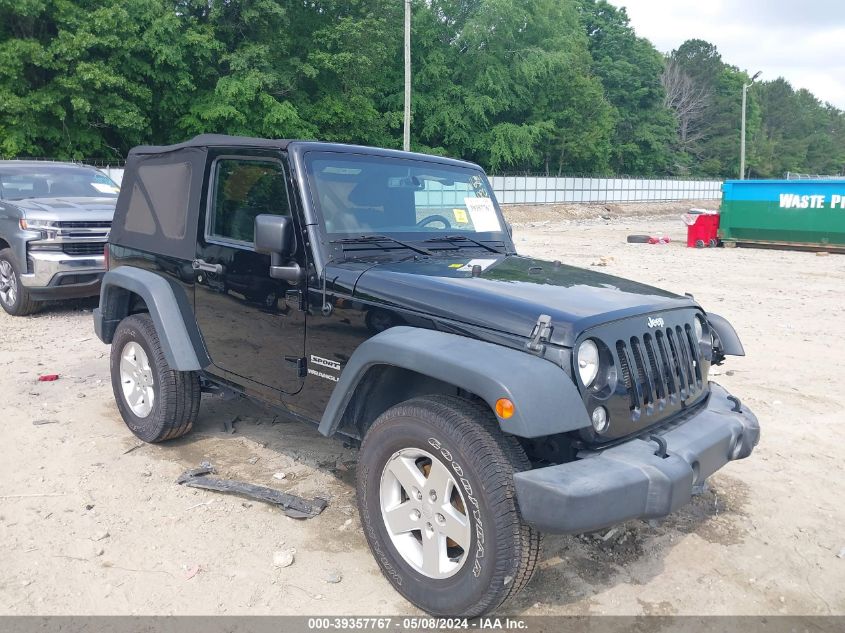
x: 505, y: 408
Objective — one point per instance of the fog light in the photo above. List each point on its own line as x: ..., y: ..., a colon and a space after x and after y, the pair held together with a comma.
x: 504, y: 408
x: 600, y: 419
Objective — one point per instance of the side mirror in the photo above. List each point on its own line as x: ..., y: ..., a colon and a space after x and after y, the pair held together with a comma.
x: 274, y: 237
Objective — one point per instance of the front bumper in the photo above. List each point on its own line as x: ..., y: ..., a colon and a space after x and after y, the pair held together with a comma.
x: 630, y: 480
x: 57, y: 275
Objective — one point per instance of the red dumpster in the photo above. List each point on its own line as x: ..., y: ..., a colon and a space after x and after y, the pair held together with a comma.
x: 702, y: 228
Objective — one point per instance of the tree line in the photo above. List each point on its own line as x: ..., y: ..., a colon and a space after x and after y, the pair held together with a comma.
x: 541, y: 86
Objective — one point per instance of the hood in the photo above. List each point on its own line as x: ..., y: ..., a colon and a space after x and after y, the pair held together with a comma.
x: 511, y: 292
x: 67, y: 209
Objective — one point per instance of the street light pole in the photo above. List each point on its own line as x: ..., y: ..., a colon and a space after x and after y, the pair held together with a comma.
x: 745, y: 87
x: 406, y: 135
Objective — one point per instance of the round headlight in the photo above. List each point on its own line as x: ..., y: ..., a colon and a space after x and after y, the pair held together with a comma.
x: 588, y: 362
x: 699, y: 328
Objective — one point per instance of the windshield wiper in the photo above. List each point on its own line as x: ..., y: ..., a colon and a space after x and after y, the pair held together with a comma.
x: 463, y: 238
x: 374, y: 239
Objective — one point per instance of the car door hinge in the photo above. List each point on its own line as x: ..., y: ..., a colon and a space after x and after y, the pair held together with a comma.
x: 301, y: 365
x: 541, y: 334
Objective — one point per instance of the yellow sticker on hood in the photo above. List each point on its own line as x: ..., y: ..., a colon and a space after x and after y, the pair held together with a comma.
x: 460, y: 216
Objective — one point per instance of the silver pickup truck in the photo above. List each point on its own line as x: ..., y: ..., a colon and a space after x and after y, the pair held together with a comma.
x: 55, y: 219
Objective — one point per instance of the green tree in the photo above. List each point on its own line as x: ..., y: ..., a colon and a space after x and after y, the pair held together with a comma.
x: 88, y: 79
x: 630, y: 68
x: 509, y: 84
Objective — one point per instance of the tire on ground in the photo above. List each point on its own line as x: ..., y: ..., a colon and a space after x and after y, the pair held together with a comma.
x: 638, y: 239
x: 23, y: 304
x: 481, y: 460
x: 177, y: 395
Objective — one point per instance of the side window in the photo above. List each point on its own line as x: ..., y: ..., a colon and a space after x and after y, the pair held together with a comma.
x: 243, y: 189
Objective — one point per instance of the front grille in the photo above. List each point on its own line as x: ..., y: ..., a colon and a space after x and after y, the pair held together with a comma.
x: 83, y: 248
x: 660, y: 368
x: 84, y: 225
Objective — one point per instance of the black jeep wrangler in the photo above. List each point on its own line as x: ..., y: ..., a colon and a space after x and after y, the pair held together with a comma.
x: 378, y: 294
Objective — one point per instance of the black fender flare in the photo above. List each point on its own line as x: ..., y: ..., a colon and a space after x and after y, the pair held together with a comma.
x: 545, y: 398
x: 167, y: 304
x: 730, y: 343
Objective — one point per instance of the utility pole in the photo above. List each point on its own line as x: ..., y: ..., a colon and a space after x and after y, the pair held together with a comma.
x: 406, y: 136
x: 745, y: 88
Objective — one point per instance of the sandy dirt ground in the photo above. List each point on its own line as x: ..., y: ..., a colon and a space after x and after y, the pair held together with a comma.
x: 91, y: 522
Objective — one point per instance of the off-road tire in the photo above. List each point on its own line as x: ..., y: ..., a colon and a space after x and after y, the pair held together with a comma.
x: 177, y: 393
x: 23, y: 305
x: 638, y: 239
x: 504, y: 550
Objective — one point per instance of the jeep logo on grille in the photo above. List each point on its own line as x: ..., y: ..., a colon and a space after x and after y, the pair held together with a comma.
x: 655, y: 322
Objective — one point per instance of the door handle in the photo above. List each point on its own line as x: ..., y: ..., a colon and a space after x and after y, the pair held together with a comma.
x: 201, y: 264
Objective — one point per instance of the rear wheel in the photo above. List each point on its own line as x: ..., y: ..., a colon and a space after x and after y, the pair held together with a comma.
x: 156, y: 402
x: 437, y: 503
x: 14, y: 296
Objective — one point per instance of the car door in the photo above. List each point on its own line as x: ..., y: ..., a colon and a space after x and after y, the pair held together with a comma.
x: 252, y: 325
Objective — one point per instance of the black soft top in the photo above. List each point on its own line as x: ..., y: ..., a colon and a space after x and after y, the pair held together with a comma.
x: 213, y: 140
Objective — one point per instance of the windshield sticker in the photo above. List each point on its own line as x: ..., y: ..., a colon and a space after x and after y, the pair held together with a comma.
x: 103, y: 187
x: 460, y: 216
x: 484, y: 263
x: 455, y: 265
x: 483, y: 214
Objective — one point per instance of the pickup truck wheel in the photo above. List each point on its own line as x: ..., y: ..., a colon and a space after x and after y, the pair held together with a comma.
x: 14, y: 296
x: 156, y: 402
x: 437, y: 503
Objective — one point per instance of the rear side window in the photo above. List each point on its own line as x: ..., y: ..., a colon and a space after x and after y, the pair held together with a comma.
x: 243, y: 189
x: 165, y: 205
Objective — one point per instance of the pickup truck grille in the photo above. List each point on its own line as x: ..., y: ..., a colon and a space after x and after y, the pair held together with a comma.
x: 84, y: 225
x: 83, y: 248
x: 659, y: 366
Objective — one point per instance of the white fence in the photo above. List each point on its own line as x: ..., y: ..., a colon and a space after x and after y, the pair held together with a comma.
x: 115, y: 173
x: 551, y: 190
x: 543, y: 190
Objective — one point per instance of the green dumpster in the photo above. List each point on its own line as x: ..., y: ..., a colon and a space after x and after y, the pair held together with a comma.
x: 788, y: 213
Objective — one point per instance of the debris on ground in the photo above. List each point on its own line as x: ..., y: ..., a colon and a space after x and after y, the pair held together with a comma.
x: 48, y: 378
x: 649, y: 239
x: 334, y: 577
x: 99, y: 536
x: 284, y: 558
x: 191, y: 571
x: 603, y: 261
x: 610, y: 534
x: 205, y: 468
x: 279, y: 476
x: 841, y: 553
x: 42, y: 422
x: 292, y: 505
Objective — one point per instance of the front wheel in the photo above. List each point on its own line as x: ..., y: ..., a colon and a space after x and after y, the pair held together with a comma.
x: 14, y: 297
x: 437, y: 503
x: 156, y: 402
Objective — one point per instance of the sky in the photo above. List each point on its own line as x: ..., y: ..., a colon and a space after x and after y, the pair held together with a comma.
x: 801, y: 41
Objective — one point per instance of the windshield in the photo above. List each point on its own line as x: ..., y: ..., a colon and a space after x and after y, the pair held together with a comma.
x: 18, y: 182
x: 360, y: 195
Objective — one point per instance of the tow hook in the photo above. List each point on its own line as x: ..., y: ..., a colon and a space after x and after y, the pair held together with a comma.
x: 661, y: 446
x: 737, y: 408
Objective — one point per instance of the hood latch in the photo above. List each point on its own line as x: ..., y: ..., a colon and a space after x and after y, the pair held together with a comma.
x: 541, y: 334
